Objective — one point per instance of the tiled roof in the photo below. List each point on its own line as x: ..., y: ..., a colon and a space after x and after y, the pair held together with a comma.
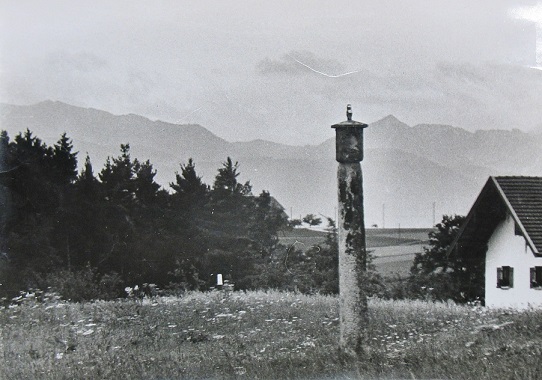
x: 524, y: 195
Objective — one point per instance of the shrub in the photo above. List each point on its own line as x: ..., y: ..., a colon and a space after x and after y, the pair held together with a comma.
x: 84, y: 284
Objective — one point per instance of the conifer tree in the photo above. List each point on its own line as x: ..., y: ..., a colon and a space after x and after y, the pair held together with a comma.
x: 188, y: 186
x: 64, y: 161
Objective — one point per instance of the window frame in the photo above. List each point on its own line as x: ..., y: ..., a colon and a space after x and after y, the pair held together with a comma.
x: 535, y: 278
x: 505, y: 277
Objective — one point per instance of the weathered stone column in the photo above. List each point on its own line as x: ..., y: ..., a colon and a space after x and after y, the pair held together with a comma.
x: 352, y: 251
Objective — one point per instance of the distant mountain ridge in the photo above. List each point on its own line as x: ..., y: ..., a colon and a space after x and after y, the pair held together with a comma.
x: 406, y: 169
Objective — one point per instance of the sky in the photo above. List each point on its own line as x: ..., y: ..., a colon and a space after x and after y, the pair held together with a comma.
x: 280, y: 70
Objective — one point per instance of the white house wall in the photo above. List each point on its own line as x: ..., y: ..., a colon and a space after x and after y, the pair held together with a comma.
x: 507, y: 249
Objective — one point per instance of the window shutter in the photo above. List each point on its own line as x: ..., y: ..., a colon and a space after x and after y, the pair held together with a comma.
x: 533, y: 277
x: 511, y: 284
x: 499, y: 277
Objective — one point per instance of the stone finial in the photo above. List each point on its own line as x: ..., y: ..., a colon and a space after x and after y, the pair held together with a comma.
x: 349, y: 112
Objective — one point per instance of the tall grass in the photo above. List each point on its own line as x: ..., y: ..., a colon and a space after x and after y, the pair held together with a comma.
x: 263, y: 335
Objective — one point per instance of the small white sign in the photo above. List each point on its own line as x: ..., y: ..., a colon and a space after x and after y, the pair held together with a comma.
x: 219, y: 280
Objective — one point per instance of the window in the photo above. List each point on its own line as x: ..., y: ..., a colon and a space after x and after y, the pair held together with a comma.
x: 536, y: 277
x: 505, y: 277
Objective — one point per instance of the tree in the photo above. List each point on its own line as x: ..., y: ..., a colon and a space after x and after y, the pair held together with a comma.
x: 293, y: 223
x: 117, y: 189
x: 322, y: 262
x: 435, y: 258
x: 226, y: 180
x: 64, y: 161
x: 267, y: 218
x: 188, y: 182
x: 312, y: 220
x: 439, y: 274
x: 188, y: 219
x: 117, y: 177
x: 190, y: 193
x: 89, y: 224
x: 145, y: 187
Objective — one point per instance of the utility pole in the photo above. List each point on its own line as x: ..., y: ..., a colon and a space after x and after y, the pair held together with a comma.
x: 351, y: 227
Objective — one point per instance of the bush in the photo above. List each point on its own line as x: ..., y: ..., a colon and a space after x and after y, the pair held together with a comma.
x: 84, y: 285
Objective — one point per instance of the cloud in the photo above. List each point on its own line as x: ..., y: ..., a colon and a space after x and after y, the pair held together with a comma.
x: 255, y: 69
x: 83, y: 62
x: 300, y: 63
x: 269, y: 66
x: 463, y: 72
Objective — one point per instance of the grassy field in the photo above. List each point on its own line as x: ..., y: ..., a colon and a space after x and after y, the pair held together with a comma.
x: 263, y: 335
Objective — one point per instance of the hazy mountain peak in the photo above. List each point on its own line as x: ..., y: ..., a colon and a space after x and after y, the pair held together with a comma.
x: 389, y: 121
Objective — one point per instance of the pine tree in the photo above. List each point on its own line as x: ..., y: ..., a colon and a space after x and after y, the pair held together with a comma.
x: 145, y: 187
x: 188, y: 186
x: 117, y: 177
x: 90, y: 222
x: 226, y: 180
x: 64, y: 161
x: 117, y: 188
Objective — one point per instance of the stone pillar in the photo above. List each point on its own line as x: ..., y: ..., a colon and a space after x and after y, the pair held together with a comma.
x: 352, y: 250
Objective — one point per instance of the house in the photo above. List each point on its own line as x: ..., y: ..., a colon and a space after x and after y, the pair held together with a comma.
x: 278, y: 208
x: 504, y: 229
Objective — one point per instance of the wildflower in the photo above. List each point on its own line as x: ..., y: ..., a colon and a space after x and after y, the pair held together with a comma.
x: 240, y: 370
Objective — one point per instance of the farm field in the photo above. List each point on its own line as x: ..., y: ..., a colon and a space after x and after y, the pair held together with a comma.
x: 393, y: 249
x: 263, y: 335
x: 395, y: 260
x: 304, y: 238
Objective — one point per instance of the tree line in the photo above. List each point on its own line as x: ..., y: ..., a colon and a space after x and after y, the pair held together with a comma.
x: 88, y: 234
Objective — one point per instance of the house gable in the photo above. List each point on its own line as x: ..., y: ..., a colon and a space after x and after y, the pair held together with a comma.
x: 504, y: 228
x: 508, y: 251
x: 519, y: 197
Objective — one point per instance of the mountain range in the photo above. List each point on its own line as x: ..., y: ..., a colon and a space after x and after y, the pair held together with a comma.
x: 412, y: 174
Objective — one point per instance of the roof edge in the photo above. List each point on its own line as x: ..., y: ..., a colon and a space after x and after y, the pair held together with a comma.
x: 515, y: 216
x: 467, y: 219
x: 492, y: 180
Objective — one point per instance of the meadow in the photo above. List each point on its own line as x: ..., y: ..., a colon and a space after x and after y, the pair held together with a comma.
x: 262, y: 335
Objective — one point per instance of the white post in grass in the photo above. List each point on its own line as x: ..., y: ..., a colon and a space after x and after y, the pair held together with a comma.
x: 219, y: 281
x: 352, y: 251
